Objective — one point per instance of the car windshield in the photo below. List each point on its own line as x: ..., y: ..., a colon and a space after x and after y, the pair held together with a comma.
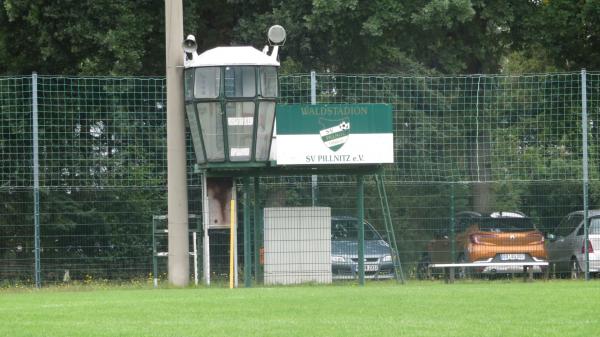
x: 505, y: 224
x: 346, y: 230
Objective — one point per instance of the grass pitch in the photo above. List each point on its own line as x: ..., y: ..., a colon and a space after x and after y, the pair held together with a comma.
x: 556, y: 308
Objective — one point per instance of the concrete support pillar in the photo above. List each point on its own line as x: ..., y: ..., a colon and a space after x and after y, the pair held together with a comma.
x: 179, y: 268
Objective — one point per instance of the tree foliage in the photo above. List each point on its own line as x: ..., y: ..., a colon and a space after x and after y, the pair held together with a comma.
x: 81, y: 37
x: 119, y: 37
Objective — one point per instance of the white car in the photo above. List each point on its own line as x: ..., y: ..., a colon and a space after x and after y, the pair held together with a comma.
x: 566, y: 244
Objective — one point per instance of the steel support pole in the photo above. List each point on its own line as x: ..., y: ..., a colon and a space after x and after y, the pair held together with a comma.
x: 313, y: 87
x: 452, y: 229
x: 179, y: 266
x: 313, y: 101
x: 36, y: 182
x: 205, y: 236
x: 586, y: 180
x: 195, y: 247
x: 360, y: 205
x: 385, y: 208
x: 154, y: 255
x: 258, y: 231
x: 256, y: 246
x: 247, y: 235
x: 235, y: 237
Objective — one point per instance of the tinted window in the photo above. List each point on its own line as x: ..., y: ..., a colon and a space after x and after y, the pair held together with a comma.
x: 465, y: 220
x: 348, y: 230
x: 506, y: 224
x: 562, y: 224
x: 568, y: 225
x: 461, y: 225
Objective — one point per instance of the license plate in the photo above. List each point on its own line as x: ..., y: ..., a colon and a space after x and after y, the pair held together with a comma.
x: 368, y: 267
x: 512, y: 257
x: 371, y: 267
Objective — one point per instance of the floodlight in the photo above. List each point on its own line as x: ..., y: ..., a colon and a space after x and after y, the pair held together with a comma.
x: 276, y: 35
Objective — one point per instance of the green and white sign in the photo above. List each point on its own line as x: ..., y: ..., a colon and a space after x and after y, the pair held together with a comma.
x: 334, y: 134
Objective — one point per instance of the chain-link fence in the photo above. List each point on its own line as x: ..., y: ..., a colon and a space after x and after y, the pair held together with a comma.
x: 466, y: 149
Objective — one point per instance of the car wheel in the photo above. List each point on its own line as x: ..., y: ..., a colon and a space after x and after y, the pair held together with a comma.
x: 575, y: 269
x: 464, y: 272
x: 423, y: 271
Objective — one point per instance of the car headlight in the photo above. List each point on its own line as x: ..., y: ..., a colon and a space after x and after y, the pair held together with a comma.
x: 387, y: 258
x: 338, y: 259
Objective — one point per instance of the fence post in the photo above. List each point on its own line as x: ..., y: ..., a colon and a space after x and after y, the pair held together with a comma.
x: 586, y: 182
x: 360, y: 205
x: 247, y: 233
x: 313, y: 101
x: 36, y: 180
x: 452, y: 229
x: 257, y: 231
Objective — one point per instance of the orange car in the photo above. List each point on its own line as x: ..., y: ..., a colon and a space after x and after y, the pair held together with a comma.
x: 497, y: 237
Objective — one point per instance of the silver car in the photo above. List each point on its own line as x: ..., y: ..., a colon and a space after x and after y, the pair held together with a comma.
x: 344, y: 251
x: 565, y: 244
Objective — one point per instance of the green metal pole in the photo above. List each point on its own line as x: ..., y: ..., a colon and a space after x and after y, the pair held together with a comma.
x: 256, y: 244
x: 452, y: 229
x: 261, y: 240
x: 360, y: 205
x: 387, y: 219
x: 154, y: 257
x: 452, y: 223
x: 586, y: 182
x: 36, y: 182
x: 199, y: 241
x: 247, y: 240
x: 313, y: 101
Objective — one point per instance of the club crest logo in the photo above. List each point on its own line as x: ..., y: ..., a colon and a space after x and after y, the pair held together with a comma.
x: 334, y: 133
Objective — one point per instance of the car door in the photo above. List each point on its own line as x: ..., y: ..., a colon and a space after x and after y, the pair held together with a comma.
x: 578, y: 239
x: 562, y: 249
x: 552, y: 240
x: 576, y: 242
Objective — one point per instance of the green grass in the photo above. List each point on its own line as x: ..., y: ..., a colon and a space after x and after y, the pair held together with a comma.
x: 556, y: 308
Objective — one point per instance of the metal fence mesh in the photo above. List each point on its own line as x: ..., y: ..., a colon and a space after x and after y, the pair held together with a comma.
x: 463, y: 143
x: 471, y: 128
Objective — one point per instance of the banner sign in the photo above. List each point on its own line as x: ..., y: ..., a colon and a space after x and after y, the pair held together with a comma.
x: 324, y: 134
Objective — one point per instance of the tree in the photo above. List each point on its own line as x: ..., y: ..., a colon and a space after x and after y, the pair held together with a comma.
x: 81, y: 37
x: 568, y: 31
x: 460, y: 36
x: 104, y: 37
